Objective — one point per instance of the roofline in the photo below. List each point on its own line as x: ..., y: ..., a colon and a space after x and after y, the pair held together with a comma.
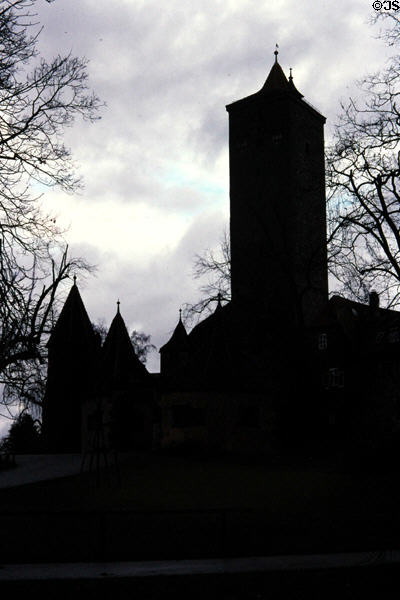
x: 259, y: 97
x: 355, y: 302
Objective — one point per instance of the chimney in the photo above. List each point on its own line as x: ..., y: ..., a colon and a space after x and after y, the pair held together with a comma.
x: 374, y: 301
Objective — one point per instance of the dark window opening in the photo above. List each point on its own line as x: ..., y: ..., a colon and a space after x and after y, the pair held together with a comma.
x: 188, y: 416
x: 322, y: 341
x: 334, y: 378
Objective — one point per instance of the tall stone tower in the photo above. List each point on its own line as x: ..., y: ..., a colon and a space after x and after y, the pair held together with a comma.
x: 277, y: 202
x: 73, y: 353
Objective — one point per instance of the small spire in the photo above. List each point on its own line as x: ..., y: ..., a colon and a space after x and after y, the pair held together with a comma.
x: 290, y: 76
x: 219, y: 305
x: 118, y: 303
x: 276, y: 52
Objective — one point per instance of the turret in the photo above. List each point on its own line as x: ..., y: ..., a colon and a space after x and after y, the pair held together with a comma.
x: 175, y: 353
x: 73, y: 352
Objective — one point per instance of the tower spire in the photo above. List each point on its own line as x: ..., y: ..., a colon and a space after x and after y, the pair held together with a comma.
x: 276, y: 52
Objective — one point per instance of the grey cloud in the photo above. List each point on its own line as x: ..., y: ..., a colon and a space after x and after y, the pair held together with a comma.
x: 150, y: 296
x: 166, y: 71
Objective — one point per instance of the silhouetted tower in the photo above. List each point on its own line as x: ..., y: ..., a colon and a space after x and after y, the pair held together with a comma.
x: 120, y: 368
x: 125, y: 382
x: 73, y: 351
x: 277, y: 202
x: 175, y: 353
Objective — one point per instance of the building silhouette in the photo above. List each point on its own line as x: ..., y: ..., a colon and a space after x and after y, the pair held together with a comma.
x: 235, y: 377
x: 281, y: 365
x: 73, y: 353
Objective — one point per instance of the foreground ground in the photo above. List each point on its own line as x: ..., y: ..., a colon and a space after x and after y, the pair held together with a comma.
x: 284, y: 488
x: 362, y: 582
x: 160, y: 507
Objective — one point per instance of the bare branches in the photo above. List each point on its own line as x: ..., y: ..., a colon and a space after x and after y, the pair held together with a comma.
x: 29, y: 301
x: 38, y: 100
x: 140, y: 340
x: 363, y: 170
x: 216, y: 267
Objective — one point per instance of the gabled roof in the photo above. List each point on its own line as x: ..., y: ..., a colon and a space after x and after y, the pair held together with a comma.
x: 120, y: 366
x: 73, y: 326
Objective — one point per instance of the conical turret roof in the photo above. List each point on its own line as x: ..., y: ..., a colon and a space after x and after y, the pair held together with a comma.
x: 178, y: 340
x: 73, y: 326
x: 120, y: 365
x: 277, y: 82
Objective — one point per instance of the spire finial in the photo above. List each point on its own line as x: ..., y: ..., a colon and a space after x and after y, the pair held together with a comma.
x: 74, y: 279
x: 276, y: 52
x: 219, y: 305
x: 180, y: 314
x: 291, y: 75
x: 118, y: 303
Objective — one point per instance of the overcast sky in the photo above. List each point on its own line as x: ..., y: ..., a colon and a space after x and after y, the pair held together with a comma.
x: 156, y: 166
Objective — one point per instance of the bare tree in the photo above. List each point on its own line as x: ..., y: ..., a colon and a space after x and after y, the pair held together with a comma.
x: 214, y: 268
x: 363, y: 168
x: 140, y: 341
x: 29, y: 302
x: 141, y: 344
x: 38, y: 100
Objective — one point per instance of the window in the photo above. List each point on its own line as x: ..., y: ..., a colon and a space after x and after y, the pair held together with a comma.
x: 322, y: 341
x: 393, y: 335
x: 334, y: 378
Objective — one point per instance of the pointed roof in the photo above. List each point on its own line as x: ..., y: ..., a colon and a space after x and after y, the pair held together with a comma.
x: 120, y: 365
x: 73, y: 326
x: 213, y: 343
x: 219, y: 304
x: 179, y: 338
x: 276, y: 80
x: 276, y: 85
x: 291, y: 84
